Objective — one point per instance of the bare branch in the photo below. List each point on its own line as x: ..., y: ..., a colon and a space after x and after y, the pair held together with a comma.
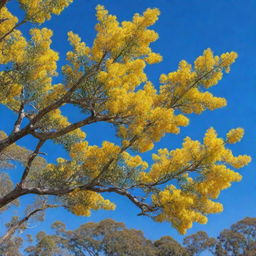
x: 21, y: 115
x: 89, y: 120
x: 30, y: 161
x: 16, y: 226
x: 143, y: 206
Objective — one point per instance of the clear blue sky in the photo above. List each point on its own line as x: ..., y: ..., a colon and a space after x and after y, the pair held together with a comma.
x: 186, y: 28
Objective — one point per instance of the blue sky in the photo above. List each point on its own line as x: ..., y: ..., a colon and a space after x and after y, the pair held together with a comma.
x: 186, y: 28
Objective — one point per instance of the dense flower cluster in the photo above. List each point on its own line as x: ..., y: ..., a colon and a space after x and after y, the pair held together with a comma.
x: 39, y: 11
x: 82, y: 202
x: 205, y: 174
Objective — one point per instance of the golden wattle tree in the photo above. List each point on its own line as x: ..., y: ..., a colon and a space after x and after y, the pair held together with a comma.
x: 106, y: 82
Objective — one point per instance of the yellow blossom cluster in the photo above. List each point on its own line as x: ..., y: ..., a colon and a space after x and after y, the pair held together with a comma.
x: 41, y: 10
x: 180, y: 89
x: 78, y: 150
x: 94, y: 158
x: 149, y: 123
x: 9, y: 21
x: 35, y: 61
x: 82, y: 202
x: 210, y: 67
x: 235, y: 135
x: 200, y: 101
x: 181, y: 78
x: 182, y: 208
x: 33, y: 73
x: 147, y: 119
x: 192, y: 157
x: 206, y: 62
x: 13, y: 45
x: 226, y: 59
x: 78, y: 57
x: 127, y: 40
x: 38, y: 67
x: 34, y: 64
x: 153, y: 58
x: 215, y: 179
x: 159, y: 122
x: 191, y: 202
x: 62, y: 170
x: 134, y: 161
x: 41, y: 63
x: 9, y: 90
x: 56, y: 91
x: 126, y: 76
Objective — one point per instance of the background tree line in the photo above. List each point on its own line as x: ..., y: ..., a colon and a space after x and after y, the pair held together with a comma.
x: 111, y: 238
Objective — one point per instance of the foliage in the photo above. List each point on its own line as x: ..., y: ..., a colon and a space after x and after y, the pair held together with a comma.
x: 199, y: 242
x: 107, y: 238
x: 107, y: 83
x: 111, y: 238
x: 167, y: 246
x: 239, y: 240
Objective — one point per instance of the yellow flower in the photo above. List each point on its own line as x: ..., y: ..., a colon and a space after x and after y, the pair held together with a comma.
x: 40, y: 10
x: 235, y: 135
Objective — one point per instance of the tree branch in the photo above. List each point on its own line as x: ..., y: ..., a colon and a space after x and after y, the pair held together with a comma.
x: 30, y: 127
x: 18, y: 192
x: 21, y: 115
x: 89, y: 120
x: 10, y: 31
x: 30, y: 161
x: 143, y: 206
x: 16, y: 226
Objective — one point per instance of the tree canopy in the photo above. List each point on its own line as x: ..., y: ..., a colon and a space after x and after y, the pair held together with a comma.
x: 106, y: 82
x: 111, y: 238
